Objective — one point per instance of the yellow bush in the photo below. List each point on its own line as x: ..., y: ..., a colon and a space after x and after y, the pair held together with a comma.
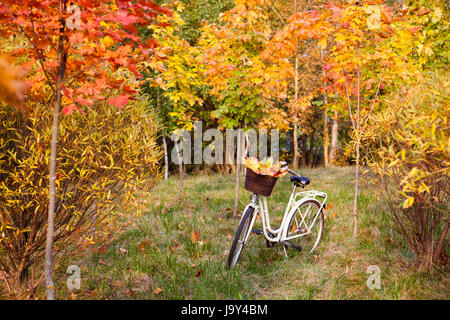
x: 409, y: 150
x: 105, y: 157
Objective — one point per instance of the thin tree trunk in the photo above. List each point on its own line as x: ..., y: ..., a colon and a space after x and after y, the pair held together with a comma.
x: 326, y: 140
x: 355, y: 199
x: 48, y: 259
x: 166, y: 159
x: 358, y: 143
x: 295, y: 138
x: 326, y: 133
x: 334, y: 138
x: 304, y: 151
x: 295, y: 162
x: 180, y: 170
x: 238, y: 154
x: 311, y: 150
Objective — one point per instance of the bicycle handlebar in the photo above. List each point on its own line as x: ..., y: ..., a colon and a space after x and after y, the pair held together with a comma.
x: 292, y: 172
x: 284, y: 165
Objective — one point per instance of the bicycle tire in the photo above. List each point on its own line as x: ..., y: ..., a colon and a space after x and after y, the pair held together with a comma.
x: 243, y: 229
x: 320, y: 223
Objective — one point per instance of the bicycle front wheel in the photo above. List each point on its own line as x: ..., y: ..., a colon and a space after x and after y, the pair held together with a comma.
x: 241, y: 236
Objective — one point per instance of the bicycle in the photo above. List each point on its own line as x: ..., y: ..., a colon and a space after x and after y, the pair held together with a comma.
x: 301, y: 226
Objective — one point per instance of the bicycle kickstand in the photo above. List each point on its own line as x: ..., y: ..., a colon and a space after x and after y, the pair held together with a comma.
x: 290, y: 245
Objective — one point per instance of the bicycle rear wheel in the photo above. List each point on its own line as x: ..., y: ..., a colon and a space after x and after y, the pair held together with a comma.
x: 241, y: 235
x: 309, y: 239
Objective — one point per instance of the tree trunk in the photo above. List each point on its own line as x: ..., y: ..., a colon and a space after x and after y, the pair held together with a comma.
x: 295, y: 138
x: 48, y: 259
x: 311, y: 150
x: 295, y: 162
x: 304, y: 151
x: 326, y: 134
x: 358, y: 144
x: 166, y: 159
x: 334, y: 138
x: 180, y: 170
x: 326, y: 140
x: 238, y: 155
x: 355, y: 199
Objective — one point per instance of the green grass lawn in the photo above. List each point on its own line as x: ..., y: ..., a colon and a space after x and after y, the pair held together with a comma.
x: 157, y: 256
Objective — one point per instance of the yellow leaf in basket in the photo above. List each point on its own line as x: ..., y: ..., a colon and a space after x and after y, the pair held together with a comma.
x: 293, y: 229
x: 252, y: 163
x: 276, y: 167
x: 267, y: 162
x: 266, y: 171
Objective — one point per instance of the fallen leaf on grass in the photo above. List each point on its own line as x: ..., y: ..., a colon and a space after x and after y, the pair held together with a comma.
x: 93, y: 293
x: 102, y: 249
x: 123, y: 251
x: 143, y: 246
x: 158, y: 290
x: 195, y: 237
x: 334, y: 214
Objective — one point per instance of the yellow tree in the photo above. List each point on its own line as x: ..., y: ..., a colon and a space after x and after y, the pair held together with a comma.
x: 241, y: 82
x: 175, y: 78
x: 303, y: 53
x: 370, y: 49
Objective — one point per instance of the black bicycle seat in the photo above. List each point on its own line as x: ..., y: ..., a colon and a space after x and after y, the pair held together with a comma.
x: 301, y: 180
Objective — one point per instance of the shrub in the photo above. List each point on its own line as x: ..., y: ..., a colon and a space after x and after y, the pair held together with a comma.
x: 411, y: 157
x: 105, y: 157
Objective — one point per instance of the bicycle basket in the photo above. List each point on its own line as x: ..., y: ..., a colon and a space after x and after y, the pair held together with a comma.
x: 258, y: 183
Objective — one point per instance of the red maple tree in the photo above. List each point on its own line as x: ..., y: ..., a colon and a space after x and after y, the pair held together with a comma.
x: 76, y: 53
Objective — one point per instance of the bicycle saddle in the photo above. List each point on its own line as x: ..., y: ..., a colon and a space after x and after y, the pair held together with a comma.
x: 302, y: 180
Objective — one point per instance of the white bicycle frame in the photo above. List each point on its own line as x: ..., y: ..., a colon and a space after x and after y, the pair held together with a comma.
x: 295, y: 201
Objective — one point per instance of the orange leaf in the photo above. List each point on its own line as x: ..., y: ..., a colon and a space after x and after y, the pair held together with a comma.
x: 119, y: 101
x: 158, y: 290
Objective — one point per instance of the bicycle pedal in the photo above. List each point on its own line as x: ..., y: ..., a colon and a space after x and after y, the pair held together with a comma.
x: 270, y: 244
x: 257, y: 231
x: 293, y: 246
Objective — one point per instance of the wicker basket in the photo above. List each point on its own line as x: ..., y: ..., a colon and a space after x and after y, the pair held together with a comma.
x: 258, y: 183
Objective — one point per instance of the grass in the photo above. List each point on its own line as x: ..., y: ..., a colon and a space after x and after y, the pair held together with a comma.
x: 178, y: 250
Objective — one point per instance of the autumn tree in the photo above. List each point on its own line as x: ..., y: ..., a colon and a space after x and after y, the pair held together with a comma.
x: 241, y: 82
x: 305, y: 56
x: 75, y: 55
x: 370, y: 49
x: 174, y: 80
